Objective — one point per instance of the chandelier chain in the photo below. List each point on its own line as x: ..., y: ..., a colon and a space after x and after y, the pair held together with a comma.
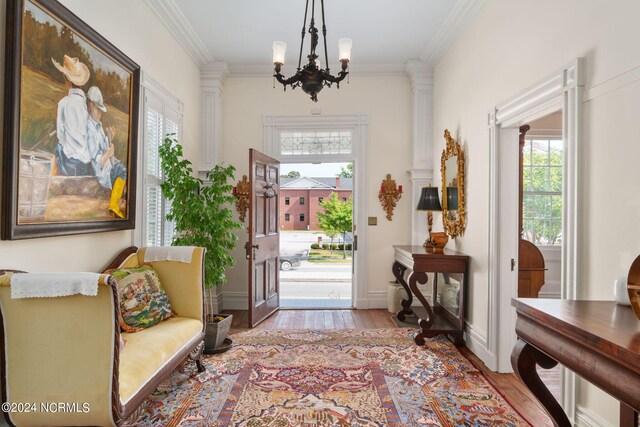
x: 311, y: 77
x: 324, y: 35
x: 304, y: 30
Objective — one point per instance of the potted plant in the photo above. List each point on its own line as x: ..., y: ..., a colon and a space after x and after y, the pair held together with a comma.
x: 202, y: 216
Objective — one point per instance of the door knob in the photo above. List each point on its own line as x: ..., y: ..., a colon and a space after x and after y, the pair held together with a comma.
x: 247, y: 250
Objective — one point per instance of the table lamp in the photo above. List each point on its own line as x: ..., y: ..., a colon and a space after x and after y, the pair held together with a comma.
x: 429, y: 201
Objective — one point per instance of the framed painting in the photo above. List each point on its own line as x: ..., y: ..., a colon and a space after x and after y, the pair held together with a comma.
x: 70, y: 126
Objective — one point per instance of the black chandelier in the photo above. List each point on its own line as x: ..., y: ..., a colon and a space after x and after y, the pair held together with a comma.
x: 310, y: 77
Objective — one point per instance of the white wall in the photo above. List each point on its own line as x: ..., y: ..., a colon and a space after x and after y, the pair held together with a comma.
x: 507, y: 48
x: 135, y: 30
x: 387, y: 101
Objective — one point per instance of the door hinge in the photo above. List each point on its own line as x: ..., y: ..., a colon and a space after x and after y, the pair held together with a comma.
x: 355, y: 243
x: 513, y: 264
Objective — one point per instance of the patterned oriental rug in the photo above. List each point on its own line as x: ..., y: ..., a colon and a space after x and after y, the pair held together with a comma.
x: 340, y: 378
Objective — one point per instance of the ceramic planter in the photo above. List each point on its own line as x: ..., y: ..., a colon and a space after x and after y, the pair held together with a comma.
x: 216, y: 332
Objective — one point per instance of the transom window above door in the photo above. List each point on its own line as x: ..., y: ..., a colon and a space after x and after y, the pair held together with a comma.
x: 316, y: 142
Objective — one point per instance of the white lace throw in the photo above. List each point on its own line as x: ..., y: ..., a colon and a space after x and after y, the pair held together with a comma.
x: 169, y: 253
x: 38, y: 285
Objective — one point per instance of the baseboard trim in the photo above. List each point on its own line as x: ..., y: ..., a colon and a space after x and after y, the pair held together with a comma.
x: 476, y: 341
x: 586, y: 418
x: 549, y: 294
x: 377, y: 299
x: 235, y: 300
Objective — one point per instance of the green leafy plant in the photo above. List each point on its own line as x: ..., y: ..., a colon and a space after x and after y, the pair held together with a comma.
x: 201, y: 212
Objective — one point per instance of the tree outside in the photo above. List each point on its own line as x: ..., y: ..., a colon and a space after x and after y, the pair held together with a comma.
x: 337, y: 218
x: 346, y: 172
x: 292, y: 174
x: 542, y: 192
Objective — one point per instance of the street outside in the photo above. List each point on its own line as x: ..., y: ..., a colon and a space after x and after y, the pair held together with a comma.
x: 313, y: 284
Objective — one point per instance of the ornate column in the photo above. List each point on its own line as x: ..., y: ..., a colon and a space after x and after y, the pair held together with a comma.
x: 212, y: 78
x: 421, y: 172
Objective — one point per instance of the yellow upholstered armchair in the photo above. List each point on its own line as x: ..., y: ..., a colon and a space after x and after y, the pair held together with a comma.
x: 62, y: 364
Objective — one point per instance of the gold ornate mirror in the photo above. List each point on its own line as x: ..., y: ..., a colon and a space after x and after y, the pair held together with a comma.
x: 452, y: 171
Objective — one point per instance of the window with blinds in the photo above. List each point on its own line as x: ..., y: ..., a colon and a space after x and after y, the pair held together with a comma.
x: 542, y: 190
x: 161, y: 119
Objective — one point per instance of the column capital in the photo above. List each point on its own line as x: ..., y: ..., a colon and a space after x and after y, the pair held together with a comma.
x: 213, y: 75
x: 422, y: 175
x: 420, y: 74
x: 212, y: 78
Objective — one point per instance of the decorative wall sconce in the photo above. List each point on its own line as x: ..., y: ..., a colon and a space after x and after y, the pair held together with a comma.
x: 389, y: 195
x: 241, y: 193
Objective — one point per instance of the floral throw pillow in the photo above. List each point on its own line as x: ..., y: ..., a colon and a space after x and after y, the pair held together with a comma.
x: 143, y: 302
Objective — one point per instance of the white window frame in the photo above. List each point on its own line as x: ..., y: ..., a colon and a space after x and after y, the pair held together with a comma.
x: 150, y: 89
x: 547, y: 166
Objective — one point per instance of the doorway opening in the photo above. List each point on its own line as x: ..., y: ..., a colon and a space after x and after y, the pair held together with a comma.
x: 541, y: 224
x: 316, y: 235
x: 561, y: 91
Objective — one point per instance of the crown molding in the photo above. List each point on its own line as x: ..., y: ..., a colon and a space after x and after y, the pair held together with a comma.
x: 251, y: 70
x: 364, y: 70
x: 455, y: 24
x: 171, y: 16
x: 372, y: 70
x: 213, y: 75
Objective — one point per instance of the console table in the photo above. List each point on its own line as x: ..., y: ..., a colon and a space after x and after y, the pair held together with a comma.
x: 447, y: 314
x: 598, y: 340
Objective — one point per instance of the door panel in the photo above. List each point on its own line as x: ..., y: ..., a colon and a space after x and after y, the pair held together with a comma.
x: 264, y: 237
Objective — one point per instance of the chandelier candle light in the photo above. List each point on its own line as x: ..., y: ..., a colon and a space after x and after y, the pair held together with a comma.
x: 311, y: 77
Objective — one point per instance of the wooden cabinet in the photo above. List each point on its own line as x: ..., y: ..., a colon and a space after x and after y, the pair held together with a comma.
x: 530, y: 270
x: 445, y: 313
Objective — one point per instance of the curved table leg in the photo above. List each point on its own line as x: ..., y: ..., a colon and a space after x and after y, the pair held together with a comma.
x: 398, y: 272
x: 425, y: 324
x: 524, y: 359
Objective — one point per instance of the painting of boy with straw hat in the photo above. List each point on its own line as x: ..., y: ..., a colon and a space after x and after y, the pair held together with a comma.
x: 75, y: 136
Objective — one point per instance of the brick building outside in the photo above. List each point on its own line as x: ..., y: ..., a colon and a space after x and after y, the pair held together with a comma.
x: 300, y: 199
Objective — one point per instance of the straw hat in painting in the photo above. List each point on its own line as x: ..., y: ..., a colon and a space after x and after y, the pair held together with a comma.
x: 73, y: 69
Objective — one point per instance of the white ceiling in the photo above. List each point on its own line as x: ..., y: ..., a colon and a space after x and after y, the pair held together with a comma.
x: 241, y: 32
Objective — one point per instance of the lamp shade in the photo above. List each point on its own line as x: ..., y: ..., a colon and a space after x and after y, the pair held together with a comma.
x: 429, y: 200
x: 452, y: 198
x: 279, y: 49
x: 344, y: 49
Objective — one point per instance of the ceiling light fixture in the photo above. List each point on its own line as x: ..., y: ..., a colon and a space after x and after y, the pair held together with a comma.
x: 311, y: 77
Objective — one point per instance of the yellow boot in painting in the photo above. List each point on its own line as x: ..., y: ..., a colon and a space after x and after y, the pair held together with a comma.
x: 116, y: 195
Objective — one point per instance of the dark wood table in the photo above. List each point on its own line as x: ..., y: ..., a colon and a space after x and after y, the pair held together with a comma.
x: 598, y: 340
x: 441, y: 318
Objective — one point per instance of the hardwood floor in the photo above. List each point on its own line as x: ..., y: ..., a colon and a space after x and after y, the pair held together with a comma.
x: 508, y: 385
